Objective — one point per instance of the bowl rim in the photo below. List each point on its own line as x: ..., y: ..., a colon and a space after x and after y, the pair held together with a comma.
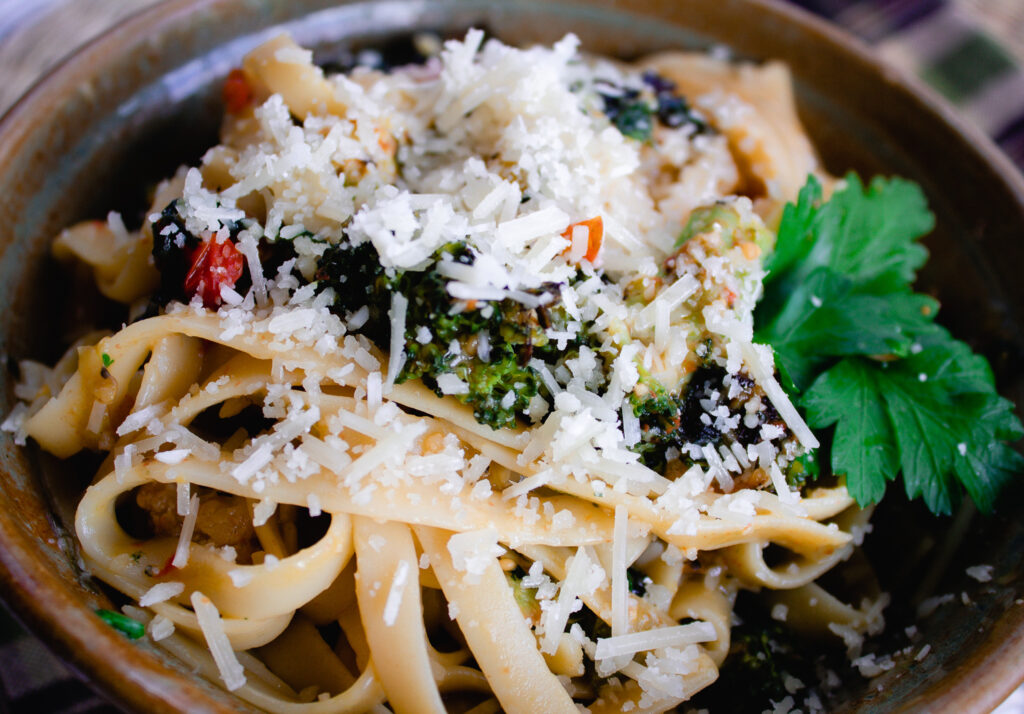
x: 119, y: 670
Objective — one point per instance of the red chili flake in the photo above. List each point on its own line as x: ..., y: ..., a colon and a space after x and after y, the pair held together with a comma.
x: 167, y: 567
x: 236, y: 91
x: 730, y: 297
x: 214, y: 265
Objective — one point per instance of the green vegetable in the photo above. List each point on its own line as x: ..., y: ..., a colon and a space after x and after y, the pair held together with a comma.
x: 454, y: 330
x: 130, y: 628
x: 734, y: 227
x: 637, y: 582
x: 803, y: 470
x: 633, y: 112
x: 660, y: 415
x: 107, y: 359
x: 525, y: 597
x: 852, y: 336
x: 635, y: 120
x: 761, y: 655
x: 674, y: 420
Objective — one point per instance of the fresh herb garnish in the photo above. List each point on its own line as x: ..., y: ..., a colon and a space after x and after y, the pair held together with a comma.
x: 130, y: 628
x: 107, y: 359
x: 864, y: 354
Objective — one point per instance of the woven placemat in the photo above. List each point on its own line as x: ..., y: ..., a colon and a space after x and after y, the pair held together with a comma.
x: 1003, y: 19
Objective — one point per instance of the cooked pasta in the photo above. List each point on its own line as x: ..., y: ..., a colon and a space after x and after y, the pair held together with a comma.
x: 425, y: 405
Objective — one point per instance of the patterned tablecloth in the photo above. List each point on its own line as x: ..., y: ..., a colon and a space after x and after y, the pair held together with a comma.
x: 971, y: 51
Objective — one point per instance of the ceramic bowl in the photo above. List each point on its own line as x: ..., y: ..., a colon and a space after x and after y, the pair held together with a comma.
x: 131, y: 106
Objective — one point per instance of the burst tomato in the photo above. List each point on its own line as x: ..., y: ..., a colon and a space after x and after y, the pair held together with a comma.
x: 213, y: 265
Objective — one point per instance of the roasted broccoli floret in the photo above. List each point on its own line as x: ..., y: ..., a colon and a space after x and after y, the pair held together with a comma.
x: 669, y: 420
x: 803, y: 471
x: 634, y: 112
x: 358, y: 281
x: 762, y: 655
x: 660, y: 415
x: 525, y: 597
x: 754, y: 660
x: 172, y: 247
x: 486, y: 345
x: 733, y: 228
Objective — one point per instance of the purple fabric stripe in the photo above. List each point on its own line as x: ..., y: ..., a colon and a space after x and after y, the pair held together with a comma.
x: 827, y: 8
x: 873, y: 20
x: 903, y: 13
x: 1011, y: 141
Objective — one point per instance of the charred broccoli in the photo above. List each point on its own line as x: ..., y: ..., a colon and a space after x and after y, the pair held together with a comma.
x: 487, y: 345
x: 762, y: 657
x: 633, y: 111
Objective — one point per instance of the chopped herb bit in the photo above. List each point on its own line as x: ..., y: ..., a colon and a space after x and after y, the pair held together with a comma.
x: 107, y: 359
x: 803, y: 471
x: 525, y: 597
x: 127, y: 626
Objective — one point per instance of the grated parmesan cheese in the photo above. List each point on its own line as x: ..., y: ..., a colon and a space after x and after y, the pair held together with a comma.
x: 160, y: 593
x: 183, y: 489
x: 394, y: 599
x: 188, y: 527
x: 675, y: 636
x: 160, y: 628
x: 399, y: 307
x: 231, y: 672
x: 981, y: 573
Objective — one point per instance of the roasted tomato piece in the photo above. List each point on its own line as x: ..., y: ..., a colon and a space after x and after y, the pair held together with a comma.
x: 236, y: 91
x: 213, y: 265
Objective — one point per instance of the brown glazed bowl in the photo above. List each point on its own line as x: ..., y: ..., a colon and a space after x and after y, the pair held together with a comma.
x: 134, y: 104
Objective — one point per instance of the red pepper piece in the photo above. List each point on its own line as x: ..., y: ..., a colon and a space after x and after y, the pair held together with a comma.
x: 213, y: 265
x: 595, y: 233
x: 236, y: 91
x: 167, y: 567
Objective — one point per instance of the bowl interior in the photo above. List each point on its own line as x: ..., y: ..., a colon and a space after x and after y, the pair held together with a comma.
x: 144, y: 99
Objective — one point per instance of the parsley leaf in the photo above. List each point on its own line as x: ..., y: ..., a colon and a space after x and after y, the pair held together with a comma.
x: 950, y: 421
x: 829, y: 315
x: 864, y: 233
x: 864, y: 444
x: 902, y: 394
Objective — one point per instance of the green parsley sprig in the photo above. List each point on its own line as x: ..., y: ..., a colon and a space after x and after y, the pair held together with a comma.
x: 859, y: 350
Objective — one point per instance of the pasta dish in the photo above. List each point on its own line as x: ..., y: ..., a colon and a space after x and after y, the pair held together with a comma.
x: 439, y: 388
